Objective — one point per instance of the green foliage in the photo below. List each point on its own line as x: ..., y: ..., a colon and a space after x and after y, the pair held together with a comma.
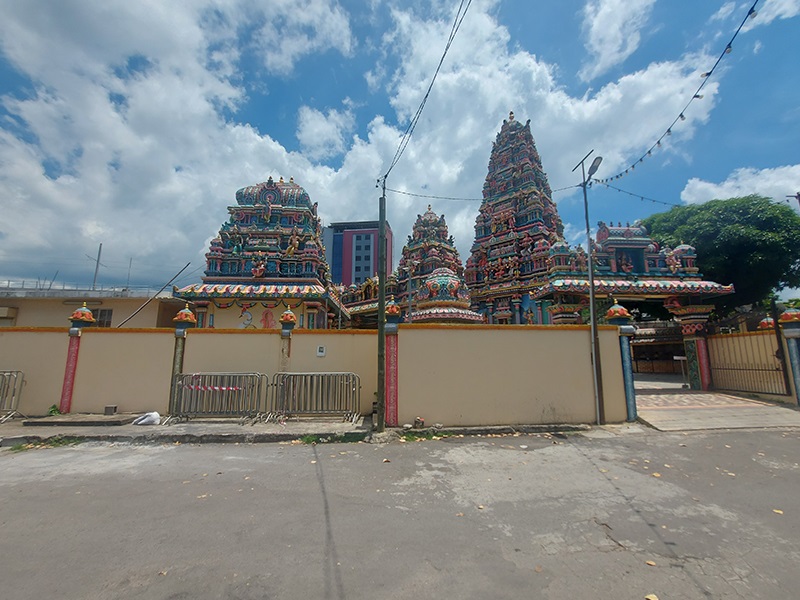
x: 53, y: 410
x: 331, y: 438
x: 751, y: 242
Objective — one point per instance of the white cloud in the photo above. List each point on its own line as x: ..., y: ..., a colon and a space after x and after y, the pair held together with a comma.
x: 724, y: 11
x: 771, y: 10
x: 612, y: 33
x: 292, y: 29
x: 322, y: 135
x: 774, y: 183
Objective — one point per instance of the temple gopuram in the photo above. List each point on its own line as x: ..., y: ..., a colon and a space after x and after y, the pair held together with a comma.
x: 428, y: 282
x: 267, y: 258
x: 521, y: 270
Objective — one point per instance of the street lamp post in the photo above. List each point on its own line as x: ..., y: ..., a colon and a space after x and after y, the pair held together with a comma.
x: 598, y: 375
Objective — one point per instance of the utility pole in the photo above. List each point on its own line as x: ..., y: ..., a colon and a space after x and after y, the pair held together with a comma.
x: 381, y: 400
x: 796, y: 197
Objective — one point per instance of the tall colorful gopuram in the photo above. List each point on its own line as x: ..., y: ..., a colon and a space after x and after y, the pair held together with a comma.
x: 521, y: 270
x: 268, y: 257
x: 514, y: 230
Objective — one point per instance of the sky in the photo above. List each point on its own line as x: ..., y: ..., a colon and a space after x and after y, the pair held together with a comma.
x: 132, y: 124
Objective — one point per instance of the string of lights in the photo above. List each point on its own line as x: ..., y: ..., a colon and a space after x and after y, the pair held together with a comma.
x: 639, y: 196
x: 696, y: 96
x: 406, y: 138
x: 455, y: 199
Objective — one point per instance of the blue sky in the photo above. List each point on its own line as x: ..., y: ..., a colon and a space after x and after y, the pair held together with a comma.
x: 133, y: 124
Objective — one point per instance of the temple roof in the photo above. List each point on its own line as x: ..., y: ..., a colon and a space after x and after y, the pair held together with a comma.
x: 634, y: 288
x: 270, y: 192
x: 306, y: 291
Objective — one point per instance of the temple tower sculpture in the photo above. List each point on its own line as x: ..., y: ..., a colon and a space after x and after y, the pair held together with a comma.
x: 268, y: 257
x: 429, y: 247
x: 516, y: 227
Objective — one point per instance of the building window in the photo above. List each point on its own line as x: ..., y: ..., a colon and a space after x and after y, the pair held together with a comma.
x: 358, y: 238
x: 358, y: 247
x: 367, y: 247
x: 358, y: 269
x: 312, y: 320
x: 300, y: 321
x: 102, y: 317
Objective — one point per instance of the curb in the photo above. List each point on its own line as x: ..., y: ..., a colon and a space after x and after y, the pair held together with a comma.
x: 365, y: 435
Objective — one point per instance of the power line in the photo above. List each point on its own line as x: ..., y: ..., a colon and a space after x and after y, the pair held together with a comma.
x: 696, y: 96
x: 455, y: 199
x: 406, y: 138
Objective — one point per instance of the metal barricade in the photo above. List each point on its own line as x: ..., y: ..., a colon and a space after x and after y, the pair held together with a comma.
x: 11, y: 383
x: 316, y: 394
x: 241, y: 395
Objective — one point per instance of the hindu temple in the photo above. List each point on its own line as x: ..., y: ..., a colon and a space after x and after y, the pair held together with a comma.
x: 428, y: 283
x: 521, y: 270
x: 268, y: 257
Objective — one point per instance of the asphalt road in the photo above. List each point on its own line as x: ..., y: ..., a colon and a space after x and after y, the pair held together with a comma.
x: 600, y: 515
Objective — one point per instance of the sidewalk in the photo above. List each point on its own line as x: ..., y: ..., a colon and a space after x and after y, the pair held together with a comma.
x: 89, y: 428
x: 225, y: 431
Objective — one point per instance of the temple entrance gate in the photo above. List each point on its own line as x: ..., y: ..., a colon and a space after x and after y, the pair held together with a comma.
x: 747, y: 362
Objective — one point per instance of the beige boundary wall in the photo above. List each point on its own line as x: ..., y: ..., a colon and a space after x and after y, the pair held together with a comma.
x: 455, y: 375
x: 41, y: 354
x: 505, y: 375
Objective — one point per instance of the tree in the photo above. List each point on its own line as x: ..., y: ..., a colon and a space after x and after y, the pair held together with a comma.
x: 751, y: 242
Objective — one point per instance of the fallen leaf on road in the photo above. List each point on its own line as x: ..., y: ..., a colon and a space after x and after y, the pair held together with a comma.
x: 731, y: 474
x: 386, y: 460
x: 313, y: 462
x: 650, y: 563
x: 777, y: 511
x: 186, y: 482
x: 668, y: 466
x: 651, y: 597
x: 480, y: 506
x: 203, y: 496
x: 604, y: 470
x: 656, y: 474
x: 459, y: 514
x: 538, y: 568
x: 162, y: 572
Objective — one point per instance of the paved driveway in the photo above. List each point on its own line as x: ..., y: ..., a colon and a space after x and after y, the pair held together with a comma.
x: 664, y: 404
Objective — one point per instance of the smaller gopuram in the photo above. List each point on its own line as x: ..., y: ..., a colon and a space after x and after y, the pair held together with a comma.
x: 267, y: 257
x: 429, y: 247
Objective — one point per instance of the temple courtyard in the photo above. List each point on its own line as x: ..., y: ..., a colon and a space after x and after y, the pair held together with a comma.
x: 614, y: 512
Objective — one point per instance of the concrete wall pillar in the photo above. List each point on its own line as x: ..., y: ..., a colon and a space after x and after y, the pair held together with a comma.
x: 790, y: 324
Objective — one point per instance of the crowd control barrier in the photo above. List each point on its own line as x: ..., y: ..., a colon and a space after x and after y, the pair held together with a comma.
x: 11, y: 383
x: 242, y: 395
x: 315, y: 394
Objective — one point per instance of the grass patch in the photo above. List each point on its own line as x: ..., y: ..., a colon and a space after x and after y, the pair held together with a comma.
x: 53, y: 442
x: 332, y: 438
